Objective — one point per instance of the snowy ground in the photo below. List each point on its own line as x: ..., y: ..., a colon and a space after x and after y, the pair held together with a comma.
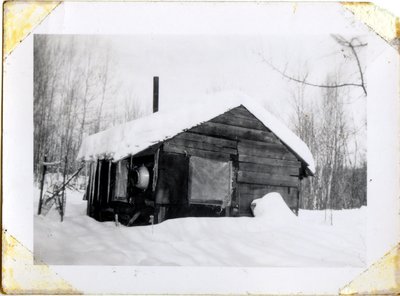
x: 275, y: 237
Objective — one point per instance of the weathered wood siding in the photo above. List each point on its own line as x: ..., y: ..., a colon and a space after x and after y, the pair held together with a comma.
x: 172, y: 186
x: 265, y: 165
x: 98, y: 189
x: 201, y: 145
x: 262, y: 163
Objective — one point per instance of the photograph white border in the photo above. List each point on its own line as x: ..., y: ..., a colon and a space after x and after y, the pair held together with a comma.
x: 197, y: 18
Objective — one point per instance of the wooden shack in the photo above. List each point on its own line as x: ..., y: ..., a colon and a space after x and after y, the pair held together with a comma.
x: 210, y: 158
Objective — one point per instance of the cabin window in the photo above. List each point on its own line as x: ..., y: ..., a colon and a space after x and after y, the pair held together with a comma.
x: 121, y: 180
x: 210, y: 181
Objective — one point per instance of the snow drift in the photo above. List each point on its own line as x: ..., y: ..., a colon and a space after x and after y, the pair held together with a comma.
x: 275, y: 237
x: 272, y: 207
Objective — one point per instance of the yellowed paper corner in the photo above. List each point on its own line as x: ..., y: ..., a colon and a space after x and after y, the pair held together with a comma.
x: 383, y: 277
x: 20, y: 18
x: 379, y: 20
x: 21, y: 276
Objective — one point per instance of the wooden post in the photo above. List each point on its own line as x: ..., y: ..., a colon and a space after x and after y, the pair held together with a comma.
x: 94, y: 170
x: 108, y: 181
x: 98, y: 181
x: 91, y: 186
x: 88, y: 190
x: 44, y: 167
x: 154, y: 185
x: 86, y: 176
x: 117, y: 184
x: 63, y: 192
x: 300, y: 201
x: 155, y: 171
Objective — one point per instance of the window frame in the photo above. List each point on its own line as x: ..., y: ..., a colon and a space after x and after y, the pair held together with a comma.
x: 211, y: 202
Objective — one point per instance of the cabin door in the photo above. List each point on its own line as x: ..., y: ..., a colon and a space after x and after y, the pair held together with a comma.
x: 210, y: 182
x: 171, y: 189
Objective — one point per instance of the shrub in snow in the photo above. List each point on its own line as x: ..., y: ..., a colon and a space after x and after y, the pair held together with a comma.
x: 272, y: 207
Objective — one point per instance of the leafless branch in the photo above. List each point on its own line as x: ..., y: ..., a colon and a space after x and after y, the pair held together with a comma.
x: 352, y: 45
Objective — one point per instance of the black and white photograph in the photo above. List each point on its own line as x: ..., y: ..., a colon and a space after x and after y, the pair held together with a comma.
x: 234, y: 148
x: 235, y: 154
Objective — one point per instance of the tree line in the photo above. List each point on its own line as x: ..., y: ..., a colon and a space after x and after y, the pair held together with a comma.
x: 74, y: 85
x: 324, y: 124
x: 340, y: 180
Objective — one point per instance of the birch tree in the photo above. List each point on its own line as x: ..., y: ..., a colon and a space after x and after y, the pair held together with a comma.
x: 324, y: 125
x: 74, y: 90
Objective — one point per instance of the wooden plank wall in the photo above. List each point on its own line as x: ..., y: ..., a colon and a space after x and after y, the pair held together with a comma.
x: 202, y: 145
x: 262, y: 163
x: 265, y: 165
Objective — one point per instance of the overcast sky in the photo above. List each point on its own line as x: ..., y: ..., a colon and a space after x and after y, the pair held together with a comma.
x: 223, y: 49
x: 192, y: 66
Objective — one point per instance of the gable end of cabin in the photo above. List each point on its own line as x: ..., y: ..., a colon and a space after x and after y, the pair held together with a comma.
x: 260, y: 162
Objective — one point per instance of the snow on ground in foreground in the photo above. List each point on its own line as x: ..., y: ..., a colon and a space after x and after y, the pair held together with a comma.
x: 275, y: 237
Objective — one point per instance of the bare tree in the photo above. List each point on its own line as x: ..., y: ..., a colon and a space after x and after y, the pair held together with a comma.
x: 103, y: 79
x: 133, y: 108
x: 73, y: 83
x: 324, y: 125
x: 303, y: 124
x: 352, y: 45
x: 46, y: 76
x: 332, y: 141
x: 87, y: 77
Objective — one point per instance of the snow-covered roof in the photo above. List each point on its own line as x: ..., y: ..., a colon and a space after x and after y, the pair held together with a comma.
x: 137, y: 135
